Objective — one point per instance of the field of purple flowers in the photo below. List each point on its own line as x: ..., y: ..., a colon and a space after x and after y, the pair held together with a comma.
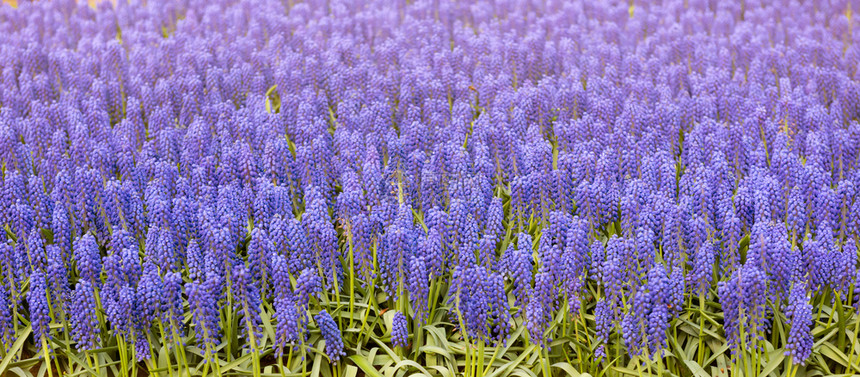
x: 430, y: 188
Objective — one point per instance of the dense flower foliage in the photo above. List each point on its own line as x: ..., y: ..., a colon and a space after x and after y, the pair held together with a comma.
x: 276, y: 171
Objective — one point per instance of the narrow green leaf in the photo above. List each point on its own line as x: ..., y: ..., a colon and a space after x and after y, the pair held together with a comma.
x: 567, y: 368
x: 365, y: 365
x: 696, y: 368
x: 828, y: 350
x: 775, y: 360
x: 15, y: 349
x: 315, y: 371
x: 445, y: 372
x: 350, y: 371
x: 503, y: 370
x: 410, y: 363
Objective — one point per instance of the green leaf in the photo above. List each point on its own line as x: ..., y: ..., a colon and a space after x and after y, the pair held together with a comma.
x: 365, y: 365
x: 235, y: 363
x: 315, y: 371
x: 387, y: 350
x: 410, y: 363
x: 567, y: 368
x: 626, y: 371
x: 696, y: 368
x: 775, y: 359
x: 828, y: 350
x: 523, y: 372
x: 436, y: 350
x: 20, y: 372
x: 350, y: 371
x: 15, y: 349
x: 504, y: 369
x: 445, y: 372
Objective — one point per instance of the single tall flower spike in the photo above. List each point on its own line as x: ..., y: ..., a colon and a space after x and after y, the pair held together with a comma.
x: 331, y: 333
x: 40, y: 317
x: 83, y: 319
x: 399, y: 330
x: 799, y: 314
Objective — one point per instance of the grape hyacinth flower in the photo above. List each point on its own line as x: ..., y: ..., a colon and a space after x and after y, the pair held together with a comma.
x: 518, y: 264
x: 7, y: 325
x: 743, y: 300
x: 604, y: 317
x: 418, y: 286
x: 799, y: 314
x: 40, y: 319
x: 701, y: 275
x: 171, y: 309
x: 478, y: 297
x: 399, y: 331
x: 246, y: 299
x: 204, y: 314
x: 541, y: 304
x: 87, y: 259
x: 308, y: 284
x: 645, y: 326
x: 331, y: 334
x: 290, y: 322
x: 83, y: 319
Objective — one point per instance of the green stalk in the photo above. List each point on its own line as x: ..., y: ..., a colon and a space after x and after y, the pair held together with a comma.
x: 821, y: 306
x: 98, y: 366
x: 66, y: 339
x: 14, y: 312
x: 418, y: 338
x: 564, y: 318
x: 180, y: 349
x: 841, y: 325
x: 486, y: 372
x: 756, y: 354
x: 465, y: 337
x: 372, y: 299
x: 774, y: 334
x: 435, y: 287
x: 792, y: 371
x: 546, y: 372
x: 480, y: 354
x: 290, y: 360
x: 255, y: 357
x: 95, y: 367
x: 336, y: 293
x: 743, y: 358
x: 856, y: 329
x: 467, y: 366
x: 281, y: 366
x: 47, y: 356
x: 351, y: 278
x: 304, y: 358
x: 90, y: 362
x: 579, y: 341
x: 701, y: 327
x: 56, y: 365
x: 164, y: 342
x: 133, y: 362
x: 123, y: 357
x: 228, y: 323
x: 151, y: 361
x: 217, y: 366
